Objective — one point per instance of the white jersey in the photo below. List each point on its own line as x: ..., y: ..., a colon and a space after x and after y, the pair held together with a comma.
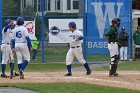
x: 73, y: 41
x: 6, y: 36
x: 20, y: 34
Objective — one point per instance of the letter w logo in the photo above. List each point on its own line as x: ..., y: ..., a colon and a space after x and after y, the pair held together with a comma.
x: 110, y: 12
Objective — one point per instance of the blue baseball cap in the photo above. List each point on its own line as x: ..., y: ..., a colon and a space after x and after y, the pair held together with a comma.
x: 8, y: 21
x: 72, y: 24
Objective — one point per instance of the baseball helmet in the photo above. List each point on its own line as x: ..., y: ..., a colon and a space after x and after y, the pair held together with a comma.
x: 72, y: 24
x: 123, y: 28
x: 116, y: 20
x: 20, y: 21
x: 8, y: 21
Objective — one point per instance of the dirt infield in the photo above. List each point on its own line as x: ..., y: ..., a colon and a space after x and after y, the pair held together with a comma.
x: 127, y: 79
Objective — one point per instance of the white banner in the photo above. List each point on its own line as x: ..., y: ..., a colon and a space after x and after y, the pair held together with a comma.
x: 58, y: 29
x: 30, y: 25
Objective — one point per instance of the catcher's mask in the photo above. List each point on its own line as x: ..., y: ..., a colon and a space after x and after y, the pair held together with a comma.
x: 116, y: 21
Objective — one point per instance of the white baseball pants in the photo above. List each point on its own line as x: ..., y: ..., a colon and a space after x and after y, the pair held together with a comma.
x: 113, y: 49
x: 7, y: 54
x: 123, y: 53
x: 75, y: 52
x: 22, y: 51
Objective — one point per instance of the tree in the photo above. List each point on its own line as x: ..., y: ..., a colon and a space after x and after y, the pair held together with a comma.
x: 8, y: 8
x: 28, y: 11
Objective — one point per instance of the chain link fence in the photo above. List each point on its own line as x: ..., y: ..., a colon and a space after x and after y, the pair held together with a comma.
x: 40, y: 12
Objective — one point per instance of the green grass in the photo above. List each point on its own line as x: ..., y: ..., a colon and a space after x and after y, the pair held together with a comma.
x: 128, y: 66
x: 58, y: 54
x: 70, y: 88
x: 98, y: 58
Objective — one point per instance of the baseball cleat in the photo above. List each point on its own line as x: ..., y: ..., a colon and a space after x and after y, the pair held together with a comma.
x: 16, y: 74
x: 114, y: 75
x: 88, y: 72
x: 69, y: 74
x: 21, y: 74
x: 110, y: 75
x: 11, y: 76
x: 4, y: 76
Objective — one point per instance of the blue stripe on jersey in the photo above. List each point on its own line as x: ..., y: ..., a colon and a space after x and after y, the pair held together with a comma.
x: 28, y: 41
x: 80, y: 37
x: 13, y: 43
x: 6, y: 28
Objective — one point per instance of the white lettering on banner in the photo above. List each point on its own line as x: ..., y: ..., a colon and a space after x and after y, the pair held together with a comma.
x: 109, y: 12
x: 97, y: 44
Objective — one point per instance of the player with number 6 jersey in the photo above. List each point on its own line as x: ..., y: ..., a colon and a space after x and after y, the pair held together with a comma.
x: 20, y: 44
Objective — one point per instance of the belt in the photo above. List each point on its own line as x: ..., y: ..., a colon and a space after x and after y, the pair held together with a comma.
x: 113, y: 43
x: 75, y: 47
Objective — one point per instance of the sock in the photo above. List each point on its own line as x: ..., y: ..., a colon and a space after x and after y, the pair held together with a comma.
x: 12, y: 65
x: 19, y: 66
x: 3, y: 66
x: 86, y: 66
x: 24, y: 65
x: 69, y: 68
x: 12, y: 68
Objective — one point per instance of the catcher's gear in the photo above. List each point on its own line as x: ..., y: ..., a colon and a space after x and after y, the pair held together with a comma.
x: 20, y: 21
x: 116, y: 21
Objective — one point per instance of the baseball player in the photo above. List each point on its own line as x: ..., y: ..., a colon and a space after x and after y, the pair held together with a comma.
x: 123, y: 42
x: 75, y: 50
x: 112, y: 37
x: 136, y: 38
x: 7, y: 54
x: 20, y: 44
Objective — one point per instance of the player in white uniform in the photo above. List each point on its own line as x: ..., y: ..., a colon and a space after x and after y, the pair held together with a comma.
x: 20, y: 44
x: 75, y: 50
x: 7, y: 54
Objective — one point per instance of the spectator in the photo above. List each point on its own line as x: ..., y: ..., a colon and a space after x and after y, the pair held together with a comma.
x: 136, y: 38
x: 35, y: 45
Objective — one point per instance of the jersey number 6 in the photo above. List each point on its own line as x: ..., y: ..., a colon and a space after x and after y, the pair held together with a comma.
x: 18, y: 34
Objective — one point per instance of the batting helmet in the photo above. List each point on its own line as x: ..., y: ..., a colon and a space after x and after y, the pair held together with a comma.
x: 20, y: 21
x: 72, y: 24
x: 8, y: 21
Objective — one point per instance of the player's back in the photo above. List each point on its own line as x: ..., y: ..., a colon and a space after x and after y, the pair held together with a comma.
x: 20, y: 34
x: 6, y: 36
